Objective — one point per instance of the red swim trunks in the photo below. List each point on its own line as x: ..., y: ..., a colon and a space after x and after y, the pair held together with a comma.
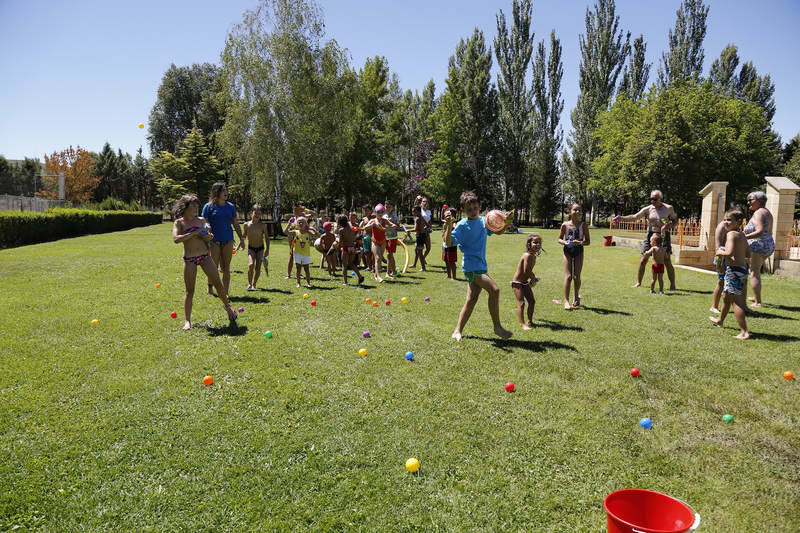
x: 658, y: 269
x: 391, y: 245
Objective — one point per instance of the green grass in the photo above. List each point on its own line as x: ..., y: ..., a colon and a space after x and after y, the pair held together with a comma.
x: 109, y: 427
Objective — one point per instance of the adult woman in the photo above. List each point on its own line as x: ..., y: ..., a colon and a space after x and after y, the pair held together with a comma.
x: 660, y: 218
x: 759, y: 236
x: 221, y: 214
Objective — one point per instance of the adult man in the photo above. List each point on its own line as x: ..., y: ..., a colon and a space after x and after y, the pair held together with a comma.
x: 661, y: 218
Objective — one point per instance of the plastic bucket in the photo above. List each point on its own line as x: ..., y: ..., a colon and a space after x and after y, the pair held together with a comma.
x: 608, y: 240
x: 647, y: 511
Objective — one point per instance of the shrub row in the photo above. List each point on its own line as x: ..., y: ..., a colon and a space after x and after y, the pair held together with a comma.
x: 23, y: 227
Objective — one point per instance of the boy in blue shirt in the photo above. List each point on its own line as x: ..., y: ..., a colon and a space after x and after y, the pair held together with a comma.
x: 470, y: 235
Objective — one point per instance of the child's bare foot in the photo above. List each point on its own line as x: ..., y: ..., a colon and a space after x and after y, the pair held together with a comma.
x: 639, y: 284
x: 360, y: 280
x: 714, y: 310
x: 502, y: 332
x: 456, y: 335
x: 308, y: 285
x: 251, y: 288
x: 567, y: 306
x: 751, y: 298
x: 717, y: 322
x: 757, y: 304
x: 526, y: 327
x: 744, y: 335
x: 287, y: 277
x: 298, y: 284
x: 187, y: 326
x: 530, y: 324
x: 379, y: 279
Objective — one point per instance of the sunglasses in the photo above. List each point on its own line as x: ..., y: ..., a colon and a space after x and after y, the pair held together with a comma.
x: 654, y: 199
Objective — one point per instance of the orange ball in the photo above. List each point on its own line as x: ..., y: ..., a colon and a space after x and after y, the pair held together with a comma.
x: 368, y: 300
x: 208, y: 381
x: 788, y: 374
x: 374, y: 304
x: 158, y: 285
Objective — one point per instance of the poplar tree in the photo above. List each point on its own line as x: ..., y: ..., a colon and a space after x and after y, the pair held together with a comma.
x: 684, y: 59
x: 747, y: 85
x: 637, y: 71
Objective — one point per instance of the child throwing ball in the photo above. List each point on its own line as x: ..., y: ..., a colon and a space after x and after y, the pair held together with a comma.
x: 194, y: 233
x: 524, y: 280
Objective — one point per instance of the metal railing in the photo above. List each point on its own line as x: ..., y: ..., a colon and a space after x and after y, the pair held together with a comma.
x: 28, y: 203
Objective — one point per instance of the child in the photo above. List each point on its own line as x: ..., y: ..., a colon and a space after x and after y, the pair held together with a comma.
x: 574, y: 236
x: 720, y: 235
x: 298, y: 211
x: 449, y: 253
x: 524, y: 279
x: 420, y: 228
x: 376, y: 227
x: 328, y: 245
x: 257, y: 234
x: 659, y: 256
x: 302, y: 237
x: 346, y: 238
x: 470, y: 235
x: 736, y: 251
x: 194, y: 232
x: 391, y: 239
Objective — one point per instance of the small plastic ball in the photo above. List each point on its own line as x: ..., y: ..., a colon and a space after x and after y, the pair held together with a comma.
x: 305, y: 296
x: 313, y: 302
x: 412, y: 464
x: 510, y: 387
x: 427, y: 298
x: 646, y: 423
x: 241, y: 309
x: 404, y: 300
x: 727, y: 418
x: 634, y: 372
x: 208, y: 381
x: 95, y: 322
x: 234, y: 252
x: 788, y: 374
x: 368, y: 300
x: 173, y: 314
x: 388, y: 302
x: 374, y: 304
x: 158, y: 285
x: 366, y: 334
x: 268, y: 334
x: 410, y: 356
x: 444, y: 206
x: 141, y: 126
x: 362, y: 352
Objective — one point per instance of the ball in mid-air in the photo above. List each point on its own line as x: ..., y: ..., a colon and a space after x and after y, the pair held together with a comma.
x: 496, y: 220
x: 141, y: 126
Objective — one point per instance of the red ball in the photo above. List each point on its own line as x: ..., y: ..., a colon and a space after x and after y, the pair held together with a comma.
x: 313, y: 302
x: 510, y: 387
x: 444, y: 206
x: 173, y: 314
x: 634, y: 372
x: 388, y: 302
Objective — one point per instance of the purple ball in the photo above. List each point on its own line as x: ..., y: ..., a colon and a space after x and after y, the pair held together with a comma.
x: 427, y: 299
x: 241, y: 309
x: 366, y: 334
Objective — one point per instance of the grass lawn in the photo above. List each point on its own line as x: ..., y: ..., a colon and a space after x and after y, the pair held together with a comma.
x: 109, y: 427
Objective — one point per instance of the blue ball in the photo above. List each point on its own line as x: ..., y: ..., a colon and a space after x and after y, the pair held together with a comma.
x: 646, y: 423
x: 410, y: 356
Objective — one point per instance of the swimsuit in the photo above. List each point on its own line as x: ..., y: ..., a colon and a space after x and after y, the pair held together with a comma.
x: 221, y: 244
x: 197, y: 259
x: 763, y: 245
x: 734, y: 279
x: 574, y: 234
x: 520, y: 284
x: 657, y: 269
x: 472, y: 275
x: 255, y: 250
x: 449, y: 254
x: 421, y: 239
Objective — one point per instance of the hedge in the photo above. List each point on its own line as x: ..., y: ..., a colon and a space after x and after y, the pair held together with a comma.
x: 24, y: 227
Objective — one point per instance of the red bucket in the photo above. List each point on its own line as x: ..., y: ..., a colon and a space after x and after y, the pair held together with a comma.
x: 647, y: 511
x: 608, y: 240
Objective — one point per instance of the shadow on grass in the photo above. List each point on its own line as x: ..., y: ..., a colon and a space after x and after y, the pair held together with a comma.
x: 601, y: 311
x: 250, y: 299
x: 761, y: 314
x: 233, y: 329
x: 555, y: 326
x: 281, y: 291
x: 691, y: 291
x: 784, y: 307
x: 774, y: 337
x: 532, y: 346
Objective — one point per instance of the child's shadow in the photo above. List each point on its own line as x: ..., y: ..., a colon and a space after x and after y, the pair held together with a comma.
x: 601, y: 311
x: 281, y: 291
x: 689, y: 290
x: 783, y: 307
x: 761, y: 314
x: 532, y: 346
x: 233, y: 329
x: 555, y: 326
x: 250, y: 299
x: 774, y: 337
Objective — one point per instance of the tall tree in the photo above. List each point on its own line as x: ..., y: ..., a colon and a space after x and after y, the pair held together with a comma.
x: 637, y: 71
x: 604, y: 50
x: 185, y: 98
x: 747, y: 85
x: 513, y: 52
x: 77, y: 165
x: 684, y: 59
x: 549, y: 104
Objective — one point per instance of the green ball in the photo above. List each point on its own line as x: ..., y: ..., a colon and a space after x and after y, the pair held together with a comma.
x: 268, y: 334
x: 727, y: 418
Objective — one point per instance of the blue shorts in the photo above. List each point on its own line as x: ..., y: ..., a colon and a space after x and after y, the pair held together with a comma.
x: 735, y: 277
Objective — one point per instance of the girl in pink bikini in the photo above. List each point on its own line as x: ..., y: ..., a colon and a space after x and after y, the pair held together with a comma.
x: 194, y: 232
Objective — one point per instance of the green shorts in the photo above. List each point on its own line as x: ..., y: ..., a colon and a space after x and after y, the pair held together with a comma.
x: 471, y: 275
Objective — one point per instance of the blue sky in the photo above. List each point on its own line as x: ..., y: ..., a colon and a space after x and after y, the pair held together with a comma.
x: 86, y: 71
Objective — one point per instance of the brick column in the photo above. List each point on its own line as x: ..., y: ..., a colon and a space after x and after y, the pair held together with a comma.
x: 781, y: 194
x: 713, y: 209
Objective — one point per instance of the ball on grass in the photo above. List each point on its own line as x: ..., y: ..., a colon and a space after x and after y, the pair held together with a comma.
x: 788, y: 374
x: 404, y: 300
x: 412, y: 464
x: 646, y: 423
x: 374, y: 304
x: 510, y: 387
x: 241, y: 309
x: 268, y: 334
x: 366, y: 334
x: 158, y: 285
x: 362, y: 352
x: 313, y: 302
x: 305, y: 296
x: 208, y: 381
x: 368, y: 300
x: 388, y: 302
x: 727, y: 418
x: 173, y: 314
x: 427, y: 298
x: 95, y: 322
x: 634, y: 372
x: 410, y: 356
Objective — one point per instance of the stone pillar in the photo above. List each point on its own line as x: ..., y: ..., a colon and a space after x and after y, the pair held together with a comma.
x: 781, y: 194
x: 713, y: 210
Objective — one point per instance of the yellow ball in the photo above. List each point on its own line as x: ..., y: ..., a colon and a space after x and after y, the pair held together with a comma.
x: 141, y: 126
x: 362, y: 352
x: 404, y: 300
x: 95, y: 322
x: 305, y: 295
x: 412, y: 465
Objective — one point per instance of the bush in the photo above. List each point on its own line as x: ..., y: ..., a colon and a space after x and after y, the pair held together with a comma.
x: 18, y: 228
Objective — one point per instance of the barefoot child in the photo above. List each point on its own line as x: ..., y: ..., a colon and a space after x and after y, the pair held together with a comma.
x: 524, y: 280
x: 376, y: 227
x: 328, y: 248
x: 470, y: 235
x: 303, y: 238
x: 194, y: 233
x: 420, y: 227
x: 574, y: 236
x: 366, y: 237
x: 257, y: 234
x: 391, y: 239
x: 449, y: 253
x: 720, y: 235
x: 735, y: 252
x: 659, y: 256
x: 346, y: 237
x: 298, y: 211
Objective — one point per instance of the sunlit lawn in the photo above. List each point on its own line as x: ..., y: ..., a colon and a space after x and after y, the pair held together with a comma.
x: 110, y: 427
